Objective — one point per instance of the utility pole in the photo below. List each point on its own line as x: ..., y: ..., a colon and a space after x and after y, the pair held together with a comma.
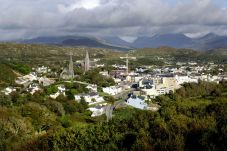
x: 127, y: 62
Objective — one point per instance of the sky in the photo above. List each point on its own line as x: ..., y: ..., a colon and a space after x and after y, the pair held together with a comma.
x: 24, y: 19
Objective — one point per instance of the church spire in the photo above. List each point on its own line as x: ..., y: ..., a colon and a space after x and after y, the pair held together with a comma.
x: 87, y: 62
x: 71, y: 70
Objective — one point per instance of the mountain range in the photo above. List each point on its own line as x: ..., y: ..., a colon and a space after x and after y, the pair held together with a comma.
x: 207, y: 42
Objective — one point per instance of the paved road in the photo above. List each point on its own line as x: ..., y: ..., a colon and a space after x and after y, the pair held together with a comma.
x: 109, y: 109
x: 124, y: 94
x: 80, y: 82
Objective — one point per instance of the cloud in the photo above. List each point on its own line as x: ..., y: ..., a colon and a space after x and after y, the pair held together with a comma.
x: 26, y: 18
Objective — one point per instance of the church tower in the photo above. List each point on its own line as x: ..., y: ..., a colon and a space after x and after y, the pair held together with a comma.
x: 87, y: 62
x: 68, y: 73
x: 71, y: 70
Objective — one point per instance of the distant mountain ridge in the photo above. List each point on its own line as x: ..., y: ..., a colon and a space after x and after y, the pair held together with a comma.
x: 74, y: 41
x: 207, y: 42
x: 170, y: 40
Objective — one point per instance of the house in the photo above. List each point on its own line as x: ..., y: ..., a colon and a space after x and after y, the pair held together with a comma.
x: 27, y: 78
x: 100, y: 65
x: 46, y: 81
x: 137, y: 102
x: 91, y: 98
x: 113, y: 90
x: 104, y: 73
x: 92, y: 87
x: 156, y: 86
x: 8, y: 90
x: 42, y: 70
x: 33, y: 88
x: 117, y: 80
x: 97, y: 111
x: 181, y: 79
x: 141, y: 70
x: 61, y: 90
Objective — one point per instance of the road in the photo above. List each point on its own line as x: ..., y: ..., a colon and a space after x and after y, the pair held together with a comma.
x: 109, y: 109
x: 80, y: 82
x: 124, y: 94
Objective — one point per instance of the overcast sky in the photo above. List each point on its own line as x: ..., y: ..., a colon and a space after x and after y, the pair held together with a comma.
x: 126, y: 18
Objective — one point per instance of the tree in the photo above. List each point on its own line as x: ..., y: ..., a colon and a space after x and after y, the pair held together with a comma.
x: 84, y: 104
x: 109, y: 99
x: 55, y: 107
x: 42, y: 118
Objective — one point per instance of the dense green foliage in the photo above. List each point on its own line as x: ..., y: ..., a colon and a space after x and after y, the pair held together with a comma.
x: 94, y: 77
x: 192, y: 118
x: 188, y: 120
x: 25, y: 51
x: 22, y: 68
x: 6, y: 70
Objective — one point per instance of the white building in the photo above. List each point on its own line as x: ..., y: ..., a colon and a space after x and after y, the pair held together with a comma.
x: 100, y: 65
x: 156, y: 86
x: 113, y: 90
x: 182, y: 79
x: 91, y: 98
x: 45, y: 81
x: 42, y: 70
x: 97, y: 111
x: 33, y: 88
x: 104, y: 73
x: 8, y: 90
x: 92, y: 87
x: 137, y: 103
x: 27, y: 78
x: 61, y: 90
x: 117, y: 80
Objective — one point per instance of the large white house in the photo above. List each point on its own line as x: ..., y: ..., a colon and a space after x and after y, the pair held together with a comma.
x: 91, y: 98
x: 27, y: 78
x: 97, y: 111
x: 113, y: 90
x: 137, y: 103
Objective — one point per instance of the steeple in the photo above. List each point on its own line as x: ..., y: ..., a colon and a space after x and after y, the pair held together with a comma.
x: 68, y: 73
x: 87, y: 62
x: 71, y: 70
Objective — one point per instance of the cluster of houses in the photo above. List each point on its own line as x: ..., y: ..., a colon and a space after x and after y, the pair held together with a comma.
x: 31, y: 82
x: 143, y: 84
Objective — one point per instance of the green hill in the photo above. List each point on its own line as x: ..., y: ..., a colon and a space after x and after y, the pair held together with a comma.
x: 7, y: 75
x: 165, y: 51
x: 15, y: 50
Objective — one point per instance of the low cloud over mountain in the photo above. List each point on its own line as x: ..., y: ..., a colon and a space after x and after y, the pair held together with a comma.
x: 136, y: 18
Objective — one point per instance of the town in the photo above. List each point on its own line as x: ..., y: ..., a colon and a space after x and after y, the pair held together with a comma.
x: 125, y: 86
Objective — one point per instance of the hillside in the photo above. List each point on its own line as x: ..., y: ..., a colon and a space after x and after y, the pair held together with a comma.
x: 165, y: 51
x: 218, y: 52
x: 7, y: 75
x: 15, y: 50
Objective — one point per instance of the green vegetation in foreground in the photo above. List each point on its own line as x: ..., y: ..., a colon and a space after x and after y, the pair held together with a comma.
x: 7, y: 76
x: 188, y: 120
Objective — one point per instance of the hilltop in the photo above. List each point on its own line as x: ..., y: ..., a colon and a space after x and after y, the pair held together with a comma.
x: 37, y: 50
x: 165, y: 51
x: 34, y: 53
